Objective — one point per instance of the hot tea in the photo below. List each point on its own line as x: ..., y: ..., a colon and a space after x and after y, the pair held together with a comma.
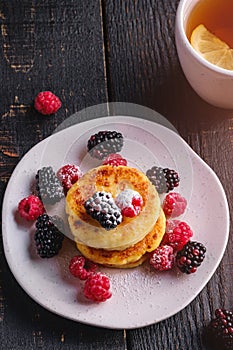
x: 216, y: 15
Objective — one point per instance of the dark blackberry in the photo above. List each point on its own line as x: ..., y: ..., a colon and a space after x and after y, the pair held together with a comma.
x: 163, y: 179
x: 101, y: 207
x: 48, y: 186
x: 219, y: 332
x: 156, y: 176
x: 103, y: 143
x: 190, y: 257
x: 172, y: 179
x: 48, y: 236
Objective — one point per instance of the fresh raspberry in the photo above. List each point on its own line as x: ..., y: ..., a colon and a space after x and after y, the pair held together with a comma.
x: 47, y: 103
x: 30, y: 208
x: 97, y: 287
x: 177, y: 234
x: 130, y: 202
x: 115, y: 159
x: 81, y: 268
x: 68, y: 175
x: 174, y: 205
x: 162, y: 258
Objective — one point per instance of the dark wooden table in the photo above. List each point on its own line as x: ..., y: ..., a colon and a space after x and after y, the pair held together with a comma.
x: 92, y: 52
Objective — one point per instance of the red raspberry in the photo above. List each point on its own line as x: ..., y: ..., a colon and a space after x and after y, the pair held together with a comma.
x: 68, y: 175
x: 30, y: 208
x: 162, y: 258
x: 114, y: 159
x: 174, y: 205
x: 177, y: 234
x: 81, y: 268
x: 130, y: 202
x: 97, y: 287
x: 47, y: 103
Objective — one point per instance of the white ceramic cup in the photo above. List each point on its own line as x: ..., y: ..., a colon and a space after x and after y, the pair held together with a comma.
x: 212, y: 83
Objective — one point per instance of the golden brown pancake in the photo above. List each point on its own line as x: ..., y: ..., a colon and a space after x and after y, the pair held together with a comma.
x: 88, y: 232
x: 129, y: 257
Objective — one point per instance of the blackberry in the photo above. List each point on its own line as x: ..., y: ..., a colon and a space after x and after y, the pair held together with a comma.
x: 48, y: 236
x: 156, y: 176
x: 190, y: 257
x: 220, y: 330
x: 163, y: 179
x: 103, y: 143
x: 101, y: 207
x: 48, y: 186
x: 172, y: 179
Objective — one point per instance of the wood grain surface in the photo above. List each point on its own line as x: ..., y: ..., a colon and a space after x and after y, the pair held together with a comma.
x: 92, y: 52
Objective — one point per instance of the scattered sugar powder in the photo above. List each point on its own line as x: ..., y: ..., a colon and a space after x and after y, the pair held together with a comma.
x: 135, y: 283
x: 124, y: 199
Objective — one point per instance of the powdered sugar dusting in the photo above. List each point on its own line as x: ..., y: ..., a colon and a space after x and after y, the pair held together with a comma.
x: 124, y: 199
x: 131, y: 282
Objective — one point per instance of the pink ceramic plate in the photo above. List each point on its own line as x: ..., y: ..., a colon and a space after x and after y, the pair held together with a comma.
x: 141, y: 296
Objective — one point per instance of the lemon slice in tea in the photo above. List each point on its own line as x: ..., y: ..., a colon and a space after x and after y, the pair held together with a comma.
x: 212, y: 48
